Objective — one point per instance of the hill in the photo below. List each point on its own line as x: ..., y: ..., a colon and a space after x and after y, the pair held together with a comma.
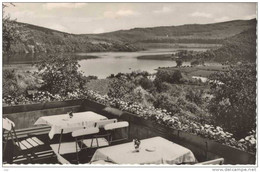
x: 238, y: 48
x: 191, y: 33
x: 42, y: 39
x: 241, y: 47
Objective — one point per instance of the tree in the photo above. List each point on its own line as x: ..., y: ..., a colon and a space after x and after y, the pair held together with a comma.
x: 234, y: 104
x: 179, y: 62
x: 169, y: 76
x: 60, y: 74
x: 176, y: 77
x: 11, y: 33
x: 147, y: 84
x: 195, y: 62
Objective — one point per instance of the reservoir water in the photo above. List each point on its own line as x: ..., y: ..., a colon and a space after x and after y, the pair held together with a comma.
x: 106, y: 64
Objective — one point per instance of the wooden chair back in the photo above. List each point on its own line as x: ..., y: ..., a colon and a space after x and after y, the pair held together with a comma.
x: 102, y: 123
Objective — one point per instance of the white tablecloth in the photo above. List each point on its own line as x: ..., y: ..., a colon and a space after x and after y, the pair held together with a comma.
x: 59, y: 122
x: 163, y: 152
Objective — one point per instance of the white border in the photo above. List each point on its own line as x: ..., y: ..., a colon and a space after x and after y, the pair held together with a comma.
x: 33, y: 168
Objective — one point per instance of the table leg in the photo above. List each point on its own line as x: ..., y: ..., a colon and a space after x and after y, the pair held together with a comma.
x: 60, y: 140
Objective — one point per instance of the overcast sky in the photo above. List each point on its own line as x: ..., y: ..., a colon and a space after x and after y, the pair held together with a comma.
x: 105, y: 17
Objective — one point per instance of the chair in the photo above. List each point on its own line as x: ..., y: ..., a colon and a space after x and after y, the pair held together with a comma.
x: 218, y: 161
x: 115, y: 126
x: 26, y: 146
x: 97, y: 141
x: 65, y: 148
x: 101, y: 124
x: 101, y: 139
x: 83, y: 133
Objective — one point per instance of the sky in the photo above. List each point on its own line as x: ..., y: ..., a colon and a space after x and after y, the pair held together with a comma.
x: 82, y: 18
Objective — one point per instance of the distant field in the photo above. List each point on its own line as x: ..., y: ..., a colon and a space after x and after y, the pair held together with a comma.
x: 178, y: 45
x: 203, y: 71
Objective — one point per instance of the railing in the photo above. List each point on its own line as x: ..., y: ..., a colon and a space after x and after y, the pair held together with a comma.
x: 24, y: 116
x: 203, y: 149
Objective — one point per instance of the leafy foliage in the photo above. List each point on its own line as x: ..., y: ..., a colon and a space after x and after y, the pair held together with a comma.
x: 234, y: 102
x: 241, y: 47
x: 165, y: 101
x: 194, y: 96
x: 10, y: 86
x: 10, y: 31
x: 169, y: 76
x: 197, y: 62
x: 147, y: 84
x: 121, y: 88
x: 16, y: 83
x: 60, y: 74
x: 179, y: 62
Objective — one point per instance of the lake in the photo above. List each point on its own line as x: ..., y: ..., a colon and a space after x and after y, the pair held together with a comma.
x: 107, y: 63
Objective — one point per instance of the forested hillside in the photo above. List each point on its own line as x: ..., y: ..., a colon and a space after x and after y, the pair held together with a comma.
x: 241, y: 47
x: 39, y: 39
x: 191, y: 33
x: 238, y: 48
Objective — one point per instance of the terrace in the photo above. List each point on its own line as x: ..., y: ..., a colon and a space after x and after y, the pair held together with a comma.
x: 24, y: 116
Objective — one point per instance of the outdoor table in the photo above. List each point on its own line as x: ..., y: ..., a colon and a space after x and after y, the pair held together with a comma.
x: 156, y: 150
x: 64, y: 124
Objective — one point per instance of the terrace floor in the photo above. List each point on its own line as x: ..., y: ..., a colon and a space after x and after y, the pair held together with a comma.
x: 44, y: 154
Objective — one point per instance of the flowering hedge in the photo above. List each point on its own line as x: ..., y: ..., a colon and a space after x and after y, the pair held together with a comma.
x: 161, y: 116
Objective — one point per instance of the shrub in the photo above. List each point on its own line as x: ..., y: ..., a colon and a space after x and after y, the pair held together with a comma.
x: 194, y: 96
x: 197, y: 62
x: 173, y: 77
x: 146, y: 83
x: 10, y: 86
x: 234, y: 103
x: 176, y: 77
x: 121, y: 89
x: 167, y: 102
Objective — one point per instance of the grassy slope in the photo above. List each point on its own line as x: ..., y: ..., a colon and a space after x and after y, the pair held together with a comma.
x: 203, y: 71
x: 100, y: 85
